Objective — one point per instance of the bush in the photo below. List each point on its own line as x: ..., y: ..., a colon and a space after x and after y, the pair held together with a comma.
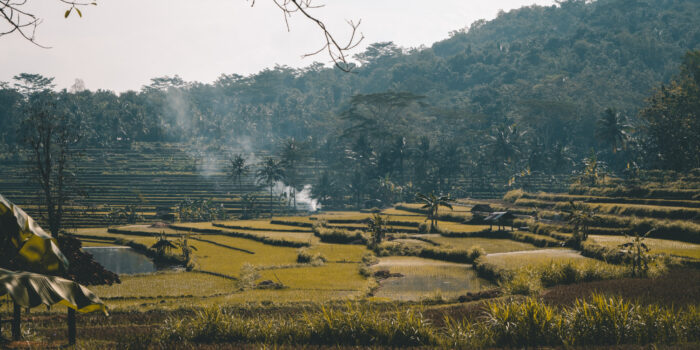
x: 513, y: 195
x: 306, y: 256
x: 423, y: 227
x: 475, y: 252
x: 338, y: 235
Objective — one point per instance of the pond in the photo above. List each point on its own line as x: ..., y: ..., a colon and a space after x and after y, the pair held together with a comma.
x: 423, y: 278
x: 121, y: 260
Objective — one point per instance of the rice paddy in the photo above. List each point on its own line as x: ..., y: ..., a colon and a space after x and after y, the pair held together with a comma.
x: 656, y: 246
x: 425, y: 278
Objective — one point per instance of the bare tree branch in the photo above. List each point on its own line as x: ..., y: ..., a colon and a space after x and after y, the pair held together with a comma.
x: 25, y: 23
x: 336, y: 51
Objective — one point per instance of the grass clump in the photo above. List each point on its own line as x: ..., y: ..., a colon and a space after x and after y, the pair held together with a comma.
x: 306, y: 256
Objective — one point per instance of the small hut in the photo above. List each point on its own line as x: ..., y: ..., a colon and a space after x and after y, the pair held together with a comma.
x: 501, y: 219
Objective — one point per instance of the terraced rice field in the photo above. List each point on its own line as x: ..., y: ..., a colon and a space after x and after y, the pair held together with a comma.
x: 657, y: 246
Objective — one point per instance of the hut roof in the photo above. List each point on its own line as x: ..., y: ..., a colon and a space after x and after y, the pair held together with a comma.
x: 499, y: 216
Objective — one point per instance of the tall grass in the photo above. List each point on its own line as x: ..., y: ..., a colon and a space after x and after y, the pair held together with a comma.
x: 530, y: 280
x: 598, y: 321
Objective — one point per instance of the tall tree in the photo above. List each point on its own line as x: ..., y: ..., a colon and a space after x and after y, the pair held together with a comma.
x: 51, y: 130
x: 672, y: 117
x: 292, y: 155
x: 611, y: 129
x: 237, y: 169
x: 269, y: 172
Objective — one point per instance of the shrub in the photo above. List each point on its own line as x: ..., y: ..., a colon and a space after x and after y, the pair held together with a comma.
x: 338, y: 235
x: 475, y: 252
x: 306, y: 256
x: 423, y: 227
x: 513, y: 195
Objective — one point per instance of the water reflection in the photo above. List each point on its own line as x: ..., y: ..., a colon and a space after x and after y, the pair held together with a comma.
x: 121, y: 260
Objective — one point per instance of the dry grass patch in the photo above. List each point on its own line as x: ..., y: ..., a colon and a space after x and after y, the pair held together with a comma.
x: 210, y: 257
x: 332, y: 276
x: 340, y: 252
x: 166, y: 284
x: 490, y: 245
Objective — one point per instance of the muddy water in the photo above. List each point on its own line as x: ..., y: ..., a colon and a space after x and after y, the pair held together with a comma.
x: 122, y: 260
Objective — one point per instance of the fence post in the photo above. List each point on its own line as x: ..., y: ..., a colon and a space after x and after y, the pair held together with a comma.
x: 16, y: 332
x: 71, y: 326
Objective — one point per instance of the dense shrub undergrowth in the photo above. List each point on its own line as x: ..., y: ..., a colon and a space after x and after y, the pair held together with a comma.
x: 599, y: 320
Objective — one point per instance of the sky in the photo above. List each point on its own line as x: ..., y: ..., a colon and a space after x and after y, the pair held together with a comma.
x: 120, y: 45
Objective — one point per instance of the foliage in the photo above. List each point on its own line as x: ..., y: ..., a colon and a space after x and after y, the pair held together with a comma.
x: 163, y: 245
x: 376, y: 226
x: 199, y: 210
x: 671, y: 119
x: 580, y: 219
x: 599, y: 320
x: 637, y: 254
x: 432, y: 204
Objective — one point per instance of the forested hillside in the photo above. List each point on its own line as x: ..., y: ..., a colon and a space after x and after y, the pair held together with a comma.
x: 519, y: 94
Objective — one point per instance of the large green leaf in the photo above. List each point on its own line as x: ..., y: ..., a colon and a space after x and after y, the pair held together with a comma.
x: 22, y: 238
x: 32, y: 289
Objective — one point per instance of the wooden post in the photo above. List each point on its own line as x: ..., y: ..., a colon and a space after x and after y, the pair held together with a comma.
x: 16, y: 332
x: 71, y: 326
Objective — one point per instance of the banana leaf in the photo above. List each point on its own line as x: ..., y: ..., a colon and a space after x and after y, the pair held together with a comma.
x: 22, y: 239
x: 30, y: 290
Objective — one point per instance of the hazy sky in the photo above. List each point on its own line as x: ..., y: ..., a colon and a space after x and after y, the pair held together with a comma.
x: 122, y: 44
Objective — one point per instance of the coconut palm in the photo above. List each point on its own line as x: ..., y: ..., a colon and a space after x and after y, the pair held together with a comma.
x: 611, y: 128
x: 433, y: 204
x: 325, y: 189
x: 237, y: 169
x: 293, y: 153
x: 269, y: 172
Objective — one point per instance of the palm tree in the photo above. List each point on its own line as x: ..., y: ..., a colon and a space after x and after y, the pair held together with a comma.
x: 325, y: 189
x: 163, y: 245
x: 433, y: 203
x: 506, y: 143
x: 237, y: 170
x: 269, y: 172
x: 612, y: 129
x: 293, y: 152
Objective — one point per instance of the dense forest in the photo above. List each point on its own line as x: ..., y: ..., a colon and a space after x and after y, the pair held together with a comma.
x: 546, y: 90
